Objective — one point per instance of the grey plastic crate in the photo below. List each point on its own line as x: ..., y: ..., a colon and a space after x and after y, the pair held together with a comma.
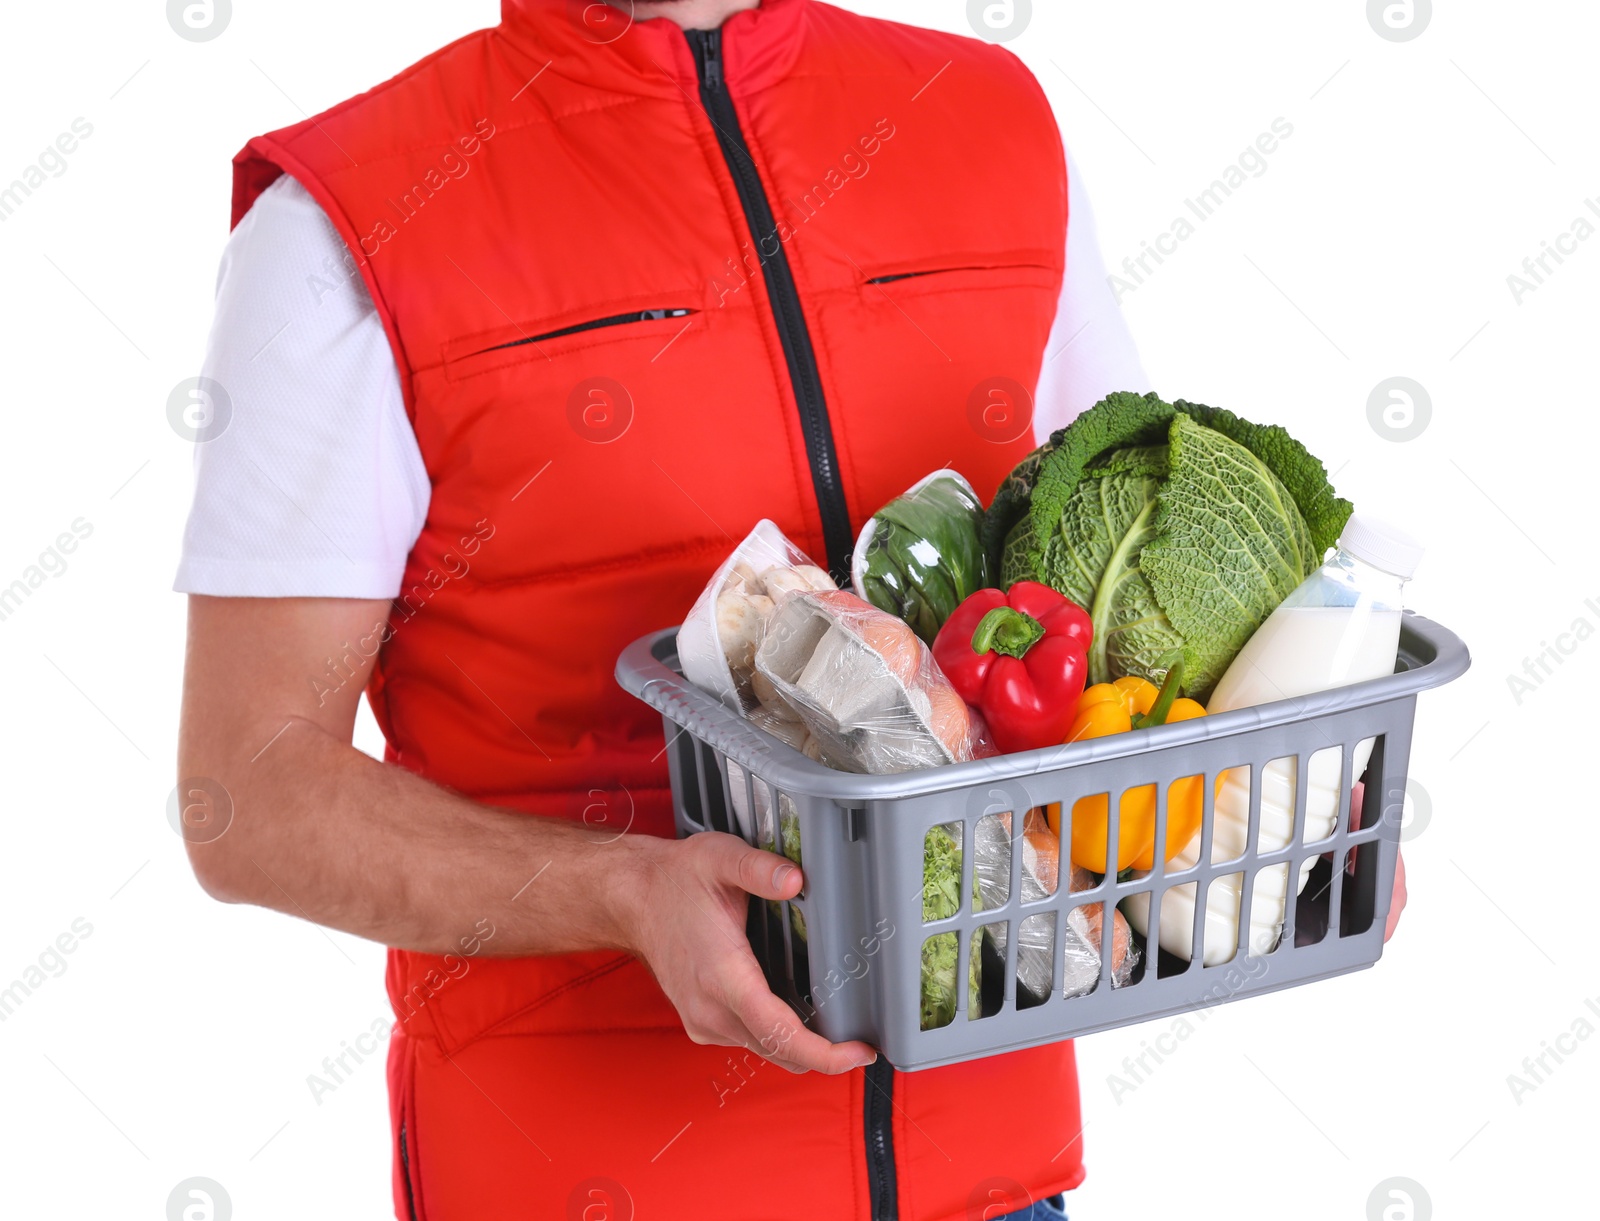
x: 857, y: 972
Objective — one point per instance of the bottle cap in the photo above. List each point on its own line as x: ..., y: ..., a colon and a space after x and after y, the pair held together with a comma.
x: 1381, y: 544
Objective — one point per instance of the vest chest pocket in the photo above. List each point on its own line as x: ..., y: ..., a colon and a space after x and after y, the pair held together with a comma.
x: 891, y: 277
x: 956, y: 274
x: 637, y: 429
x: 913, y: 348
x: 510, y: 345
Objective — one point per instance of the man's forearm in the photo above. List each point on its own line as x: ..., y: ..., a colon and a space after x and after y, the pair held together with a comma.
x: 322, y: 831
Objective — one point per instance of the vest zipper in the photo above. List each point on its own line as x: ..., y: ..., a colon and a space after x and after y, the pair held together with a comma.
x: 405, y: 1168
x: 879, y: 1088
x: 836, y: 533
x: 797, y: 350
x: 644, y: 315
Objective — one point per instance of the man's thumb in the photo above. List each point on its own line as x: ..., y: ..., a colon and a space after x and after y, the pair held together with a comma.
x: 764, y: 874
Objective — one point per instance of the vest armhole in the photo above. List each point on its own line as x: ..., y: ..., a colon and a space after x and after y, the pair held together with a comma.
x: 256, y: 168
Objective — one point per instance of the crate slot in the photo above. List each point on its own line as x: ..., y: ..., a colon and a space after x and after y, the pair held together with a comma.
x: 759, y: 927
x: 1226, y: 895
x: 1149, y: 959
x: 942, y: 841
x: 1367, y: 881
x: 1037, y: 933
x: 719, y: 817
x: 1243, y: 784
x: 988, y: 998
x: 1076, y: 952
x: 799, y: 963
x: 760, y: 818
x: 936, y: 952
x: 722, y: 772
x: 1306, y: 923
x: 681, y: 749
x: 1033, y: 845
x: 1243, y: 931
x: 789, y: 844
x: 1338, y: 838
x: 786, y: 922
x: 993, y: 887
x: 1357, y: 890
x: 1166, y: 964
x: 1108, y: 943
x: 1328, y: 770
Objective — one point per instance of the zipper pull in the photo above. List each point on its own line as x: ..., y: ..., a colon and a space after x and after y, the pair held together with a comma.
x: 713, y: 46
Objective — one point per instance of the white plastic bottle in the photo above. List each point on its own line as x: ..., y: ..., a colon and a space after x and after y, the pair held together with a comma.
x: 1341, y: 626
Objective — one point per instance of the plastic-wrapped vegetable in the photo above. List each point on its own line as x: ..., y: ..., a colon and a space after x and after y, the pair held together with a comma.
x: 1035, y: 939
x: 922, y: 554
x: 941, y: 895
x: 718, y: 639
x: 864, y: 685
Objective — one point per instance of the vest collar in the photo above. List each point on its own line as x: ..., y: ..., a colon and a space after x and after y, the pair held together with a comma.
x: 595, y: 44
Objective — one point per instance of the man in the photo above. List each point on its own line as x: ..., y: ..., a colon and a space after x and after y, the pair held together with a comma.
x: 517, y: 345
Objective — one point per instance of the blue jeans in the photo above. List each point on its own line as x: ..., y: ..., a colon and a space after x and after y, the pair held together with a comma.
x: 1052, y: 1209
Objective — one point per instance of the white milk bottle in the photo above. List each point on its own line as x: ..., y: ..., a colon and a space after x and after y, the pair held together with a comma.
x: 1341, y: 626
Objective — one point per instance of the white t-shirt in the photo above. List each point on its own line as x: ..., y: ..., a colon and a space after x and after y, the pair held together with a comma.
x: 316, y: 487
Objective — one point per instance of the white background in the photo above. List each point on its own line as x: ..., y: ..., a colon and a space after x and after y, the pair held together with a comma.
x: 1377, y: 243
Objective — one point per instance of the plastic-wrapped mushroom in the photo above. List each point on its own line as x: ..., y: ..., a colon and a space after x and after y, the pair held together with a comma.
x: 739, y: 619
x: 771, y: 702
x: 804, y: 578
x: 789, y: 732
x: 742, y: 577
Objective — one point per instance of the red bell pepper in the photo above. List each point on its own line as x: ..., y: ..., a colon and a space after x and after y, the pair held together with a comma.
x: 1019, y: 658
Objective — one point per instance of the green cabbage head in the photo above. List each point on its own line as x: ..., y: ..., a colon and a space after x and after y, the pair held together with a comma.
x: 1176, y: 526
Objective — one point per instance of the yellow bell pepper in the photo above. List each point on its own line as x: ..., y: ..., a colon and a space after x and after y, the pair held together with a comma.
x: 1108, y: 708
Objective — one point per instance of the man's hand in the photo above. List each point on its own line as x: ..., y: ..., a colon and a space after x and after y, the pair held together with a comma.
x: 1397, y: 902
x: 691, y: 932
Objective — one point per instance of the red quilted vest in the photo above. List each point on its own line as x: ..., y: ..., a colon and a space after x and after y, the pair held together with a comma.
x: 644, y: 289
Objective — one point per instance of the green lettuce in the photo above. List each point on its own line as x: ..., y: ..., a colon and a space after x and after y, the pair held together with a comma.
x: 789, y: 824
x: 1177, y: 526
x: 941, y: 897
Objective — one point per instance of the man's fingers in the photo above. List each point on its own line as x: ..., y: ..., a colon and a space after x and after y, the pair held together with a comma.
x: 1398, y: 903
x: 777, y: 1033
x: 764, y: 874
x: 750, y: 1015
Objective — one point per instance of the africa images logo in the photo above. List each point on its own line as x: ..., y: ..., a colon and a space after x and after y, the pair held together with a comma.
x: 1399, y: 20
x: 999, y: 20
x: 199, y: 20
